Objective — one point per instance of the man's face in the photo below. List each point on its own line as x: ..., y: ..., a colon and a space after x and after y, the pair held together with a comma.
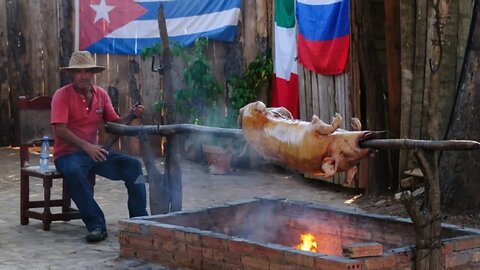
x: 82, y: 78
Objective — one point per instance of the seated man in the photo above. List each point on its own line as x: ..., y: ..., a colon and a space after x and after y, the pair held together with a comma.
x: 78, y: 109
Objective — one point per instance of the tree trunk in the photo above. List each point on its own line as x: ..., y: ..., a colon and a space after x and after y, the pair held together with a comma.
x: 166, y: 189
x: 459, y: 183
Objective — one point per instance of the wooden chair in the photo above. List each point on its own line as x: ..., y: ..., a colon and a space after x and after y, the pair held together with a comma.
x: 34, y: 120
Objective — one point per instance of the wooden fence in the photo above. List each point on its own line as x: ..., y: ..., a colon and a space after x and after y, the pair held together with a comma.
x: 417, y: 34
x: 324, y: 96
x: 36, y: 39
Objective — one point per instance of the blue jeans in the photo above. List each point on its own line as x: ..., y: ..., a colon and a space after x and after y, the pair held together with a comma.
x: 77, y: 166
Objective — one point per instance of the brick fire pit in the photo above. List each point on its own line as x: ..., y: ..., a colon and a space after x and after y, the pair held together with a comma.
x: 264, y: 233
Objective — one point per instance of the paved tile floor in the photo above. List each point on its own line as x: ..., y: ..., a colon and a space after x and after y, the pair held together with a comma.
x: 64, y: 247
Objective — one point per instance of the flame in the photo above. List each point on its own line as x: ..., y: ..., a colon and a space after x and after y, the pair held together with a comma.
x: 308, y: 243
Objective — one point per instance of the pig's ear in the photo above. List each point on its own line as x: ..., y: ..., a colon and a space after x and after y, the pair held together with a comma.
x: 329, y: 166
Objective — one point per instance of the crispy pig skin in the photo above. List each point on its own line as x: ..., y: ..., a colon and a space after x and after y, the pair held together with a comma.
x: 310, y: 147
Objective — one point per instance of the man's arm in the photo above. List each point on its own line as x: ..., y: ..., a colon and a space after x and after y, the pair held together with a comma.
x: 95, y: 151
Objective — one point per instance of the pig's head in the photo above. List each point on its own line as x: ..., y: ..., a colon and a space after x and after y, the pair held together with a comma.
x: 344, y: 152
x: 253, y: 115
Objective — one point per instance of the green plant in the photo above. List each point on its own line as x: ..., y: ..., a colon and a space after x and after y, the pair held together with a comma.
x: 155, y: 49
x: 247, y: 87
x: 199, y: 102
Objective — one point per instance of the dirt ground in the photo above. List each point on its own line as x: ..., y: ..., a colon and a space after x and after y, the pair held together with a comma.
x: 64, y: 247
x: 387, y: 205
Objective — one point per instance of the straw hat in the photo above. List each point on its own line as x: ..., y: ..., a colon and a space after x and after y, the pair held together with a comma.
x: 82, y: 60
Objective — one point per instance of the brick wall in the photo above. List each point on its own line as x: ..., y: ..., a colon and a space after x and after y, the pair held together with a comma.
x: 260, y: 234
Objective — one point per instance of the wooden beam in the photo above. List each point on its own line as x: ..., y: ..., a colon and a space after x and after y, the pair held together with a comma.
x: 392, y: 47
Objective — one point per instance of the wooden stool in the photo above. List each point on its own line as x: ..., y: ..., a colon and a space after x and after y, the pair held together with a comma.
x: 34, y: 120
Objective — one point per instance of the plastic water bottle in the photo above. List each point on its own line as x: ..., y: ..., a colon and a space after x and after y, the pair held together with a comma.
x: 44, y: 155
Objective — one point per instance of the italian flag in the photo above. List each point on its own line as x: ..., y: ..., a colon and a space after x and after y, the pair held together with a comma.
x: 285, y: 84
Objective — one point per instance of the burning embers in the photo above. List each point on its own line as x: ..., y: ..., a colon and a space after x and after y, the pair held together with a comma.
x: 308, y: 243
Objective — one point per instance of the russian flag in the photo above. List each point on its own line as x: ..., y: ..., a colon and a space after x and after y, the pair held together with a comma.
x: 323, y: 35
x: 128, y: 26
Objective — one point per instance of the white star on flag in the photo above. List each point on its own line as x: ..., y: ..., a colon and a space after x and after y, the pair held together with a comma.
x: 102, y: 11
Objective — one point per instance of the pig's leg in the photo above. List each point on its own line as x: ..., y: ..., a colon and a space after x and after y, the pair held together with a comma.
x: 280, y: 112
x: 325, y: 129
x: 355, y: 124
x: 350, y: 174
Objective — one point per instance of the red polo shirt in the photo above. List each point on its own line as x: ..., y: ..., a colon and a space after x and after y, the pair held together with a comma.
x: 70, y: 107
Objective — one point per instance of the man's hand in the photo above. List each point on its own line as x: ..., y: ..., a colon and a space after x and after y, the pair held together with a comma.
x: 96, y: 152
x: 137, y: 110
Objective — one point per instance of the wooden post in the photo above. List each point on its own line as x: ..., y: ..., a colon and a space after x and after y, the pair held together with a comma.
x: 157, y: 184
x: 173, y: 174
x: 427, y: 221
x: 167, y: 61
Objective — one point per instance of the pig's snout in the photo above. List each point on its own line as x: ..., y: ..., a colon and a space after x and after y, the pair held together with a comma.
x: 370, y: 135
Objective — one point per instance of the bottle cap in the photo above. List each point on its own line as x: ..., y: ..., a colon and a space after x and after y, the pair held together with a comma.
x: 45, y: 137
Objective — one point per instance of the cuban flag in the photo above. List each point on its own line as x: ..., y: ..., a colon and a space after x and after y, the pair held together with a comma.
x: 128, y: 26
x: 323, y: 35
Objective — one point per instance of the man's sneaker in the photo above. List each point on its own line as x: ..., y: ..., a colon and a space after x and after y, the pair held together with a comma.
x: 96, y: 235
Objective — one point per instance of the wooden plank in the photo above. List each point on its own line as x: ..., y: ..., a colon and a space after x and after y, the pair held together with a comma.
x: 431, y: 35
x: 218, y: 52
x: 65, y: 31
x: 249, y: 31
x: 121, y: 80
x: 447, y: 72
x: 135, y: 97
x: 329, y: 98
x: 410, y: 182
x: 348, y: 102
x: 407, y: 43
x: 464, y: 21
x: 34, y: 45
x: 316, y: 102
x: 102, y: 80
x: 354, y: 78
x: 21, y: 55
x: 340, y: 107
x: 261, y: 7
x: 340, y: 101
x: 301, y: 89
x: 323, y: 98
x: 392, y: 40
x: 5, y: 116
x: 392, y: 44
x: 52, y: 42
x: 419, y: 61
x: 308, y: 93
x: 14, y: 56
x: 150, y: 90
